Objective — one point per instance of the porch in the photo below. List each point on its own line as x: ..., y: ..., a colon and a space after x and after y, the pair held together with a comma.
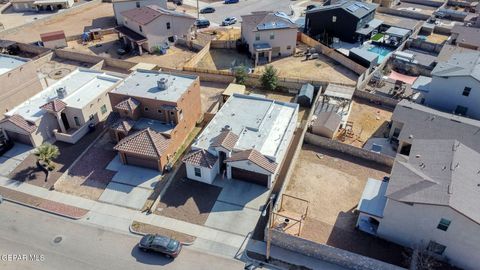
x: 262, y: 51
x: 131, y: 38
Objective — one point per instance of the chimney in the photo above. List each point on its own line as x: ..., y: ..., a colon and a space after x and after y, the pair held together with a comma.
x: 163, y: 83
x: 62, y: 92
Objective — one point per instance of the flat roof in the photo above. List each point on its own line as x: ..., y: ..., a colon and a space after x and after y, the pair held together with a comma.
x: 8, y: 62
x: 339, y: 91
x: 396, y: 31
x: 144, y: 84
x: 234, y: 88
x: 153, y: 124
x: 82, y: 86
x: 373, y: 198
x: 260, y: 123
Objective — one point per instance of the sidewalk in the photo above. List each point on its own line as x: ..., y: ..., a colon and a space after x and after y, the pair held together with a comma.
x: 120, y: 218
x: 288, y: 257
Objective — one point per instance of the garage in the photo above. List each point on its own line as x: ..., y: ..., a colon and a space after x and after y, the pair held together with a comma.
x: 17, y: 137
x: 249, y: 176
x: 142, y: 162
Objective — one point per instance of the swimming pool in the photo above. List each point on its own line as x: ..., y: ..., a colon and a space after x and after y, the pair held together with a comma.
x: 381, y: 51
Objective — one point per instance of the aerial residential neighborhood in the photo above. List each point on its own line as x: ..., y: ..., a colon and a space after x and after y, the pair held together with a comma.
x: 239, y: 134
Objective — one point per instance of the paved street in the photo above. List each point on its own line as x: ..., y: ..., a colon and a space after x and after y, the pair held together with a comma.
x: 244, y: 7
x: 31, y: 232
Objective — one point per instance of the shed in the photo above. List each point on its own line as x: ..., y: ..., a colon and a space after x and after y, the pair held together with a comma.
x: 54, y: 40
x: 305, y: 95
x: 326, y: 123
x: 231, y: 89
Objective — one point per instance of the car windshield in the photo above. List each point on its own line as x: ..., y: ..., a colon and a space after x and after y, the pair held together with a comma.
x: 149, y: 239
x: 172, y: 245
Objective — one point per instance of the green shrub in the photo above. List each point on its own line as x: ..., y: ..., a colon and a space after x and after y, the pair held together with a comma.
x: 269, y: 78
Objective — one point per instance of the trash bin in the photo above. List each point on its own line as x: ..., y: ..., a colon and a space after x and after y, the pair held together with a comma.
x: 91, y: 127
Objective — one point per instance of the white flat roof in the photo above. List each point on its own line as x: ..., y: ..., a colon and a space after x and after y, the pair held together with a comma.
x: 373, y: 198
x: 144, y: 83
x: 8, y: 63
x: 82, y: 86
x: 260, y: 123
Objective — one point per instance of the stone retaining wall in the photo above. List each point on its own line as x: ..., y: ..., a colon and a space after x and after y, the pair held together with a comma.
x: 348, y: 149
x: 329, y: 254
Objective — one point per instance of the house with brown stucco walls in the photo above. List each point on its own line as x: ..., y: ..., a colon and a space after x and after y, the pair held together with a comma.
x: 153, y: 113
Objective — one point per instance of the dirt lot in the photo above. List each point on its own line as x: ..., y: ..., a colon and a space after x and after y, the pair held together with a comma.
x: 88, y: 178
x: 188, y: 200
x: 176, y: 56
x: 224, y: 59
x: 437, y: 38
x: 210, y: 93
x: 99, y: 15
x: 369, y: 120
x: 333, y: 184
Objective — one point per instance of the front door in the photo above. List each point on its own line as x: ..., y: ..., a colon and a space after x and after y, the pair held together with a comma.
x: 65, y: 121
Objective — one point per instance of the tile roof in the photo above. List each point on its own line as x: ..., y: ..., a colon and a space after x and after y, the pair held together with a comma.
x: 201, y: 158
x: 54, y: 105
x: 255, y: 157
x: 52, y: 35
x: 20, y: 122
x: 146, y: 142
x: 147, y: 14
x: 438, y: 172
x: 123, y: 124
x: 225, y: 139
x: 129, y: 104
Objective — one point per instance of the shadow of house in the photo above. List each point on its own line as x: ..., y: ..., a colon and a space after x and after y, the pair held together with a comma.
x: 149, y: 258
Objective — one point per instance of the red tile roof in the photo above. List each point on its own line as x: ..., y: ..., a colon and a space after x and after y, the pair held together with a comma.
x: 146, y: 142
x: 255, y: 157
x: 225, y: 139
x: 129, y: 104
x: 55, y: 105
x: 200, y: 158
x: 20, y: 122
x: 56, y: 35
x: 123, y: 124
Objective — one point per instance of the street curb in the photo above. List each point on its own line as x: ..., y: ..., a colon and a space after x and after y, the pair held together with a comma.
x: 260, y: 263
x: 133, y: 231
x: 46, y: 210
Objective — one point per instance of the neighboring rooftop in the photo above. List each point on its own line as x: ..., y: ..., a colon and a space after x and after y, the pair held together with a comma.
x: 459, y: 64
x: 259, y: 123
x: 147, y: 14
x: 277, y: 20
x: 356, y: 8
x: 421, y: 122
x: 80, y: 87
x: 145, y: 84
x: 467, y: 35
x: 438, y: 172
x: 8, y: 62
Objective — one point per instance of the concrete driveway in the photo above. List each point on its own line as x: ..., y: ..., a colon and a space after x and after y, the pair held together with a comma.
x: 13, y: 157
x: 238, y: 206
x: 130, y: 186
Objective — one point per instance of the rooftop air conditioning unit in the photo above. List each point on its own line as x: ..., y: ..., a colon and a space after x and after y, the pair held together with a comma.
x: 163, y: 83
x: 62, y: 92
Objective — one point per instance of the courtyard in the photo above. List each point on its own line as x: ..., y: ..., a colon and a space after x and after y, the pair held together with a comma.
x: 333, y: 183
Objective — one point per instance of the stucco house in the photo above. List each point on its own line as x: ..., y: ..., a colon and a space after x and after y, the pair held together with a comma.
x: 454, y: 86
x: 412, y: 121
x: 153, y: 113
x: 152, y: 27
x: 432, y: 202
x: 246, y: 140
x: 269, y: 34
x: 63, y: 111
x: 120, y: 6
x: 40, y: 5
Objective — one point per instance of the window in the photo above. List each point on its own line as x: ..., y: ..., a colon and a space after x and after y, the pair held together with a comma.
x: 160, y: 111
x: 77, y: 122
x: 140, y: 28
x: 168, y: 25
x: 137, y: 4
x: 460, y: 110
x: 396, y: 132
x: 257, y: 36
x: 436, y: 247
x: 443, y: 224
x: 334, y: 18
x: 466, y: 91
x: 180, y: 115
x: 172, y: 112
x: 198, y: 172
x: 103, y: 109
x: 146, y: 109
x: 289, y: 47
x: 272, y: 35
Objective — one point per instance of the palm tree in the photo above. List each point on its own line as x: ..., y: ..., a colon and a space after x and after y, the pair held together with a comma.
x: 46, y: 153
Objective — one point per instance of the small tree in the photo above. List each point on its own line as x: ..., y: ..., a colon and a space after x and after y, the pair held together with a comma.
x: 240, y: 74
x: 269, y: 78
x: 46, y: 153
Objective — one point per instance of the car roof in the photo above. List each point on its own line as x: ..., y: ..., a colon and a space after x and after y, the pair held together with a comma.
x: 160, y: 240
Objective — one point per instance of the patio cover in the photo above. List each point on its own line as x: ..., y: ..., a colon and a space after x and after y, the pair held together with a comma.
x: 373, y: 198
x: 398, y: 32
x: 372, y: 25
x: 261, y: 47
x: 339, y: 91
x: 400, y: 77
x: 130, y: 34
